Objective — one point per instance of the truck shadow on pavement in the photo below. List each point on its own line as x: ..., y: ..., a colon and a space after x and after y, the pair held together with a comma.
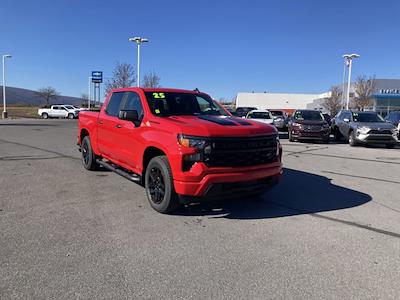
x: 298, y: 193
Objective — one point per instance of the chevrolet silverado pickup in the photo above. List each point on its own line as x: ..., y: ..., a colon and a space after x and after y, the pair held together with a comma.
x: 181, y: 145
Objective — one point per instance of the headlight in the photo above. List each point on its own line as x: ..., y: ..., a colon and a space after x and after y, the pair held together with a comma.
x: 294, y: 124
x: 191, y: 142
x: 363, y: 129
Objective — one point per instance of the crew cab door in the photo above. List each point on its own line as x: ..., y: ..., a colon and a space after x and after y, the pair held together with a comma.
x: 107, y: 126
x: 129, y: 134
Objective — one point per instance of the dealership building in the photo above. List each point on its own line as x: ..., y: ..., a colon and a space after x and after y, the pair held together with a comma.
x: 385, y: 98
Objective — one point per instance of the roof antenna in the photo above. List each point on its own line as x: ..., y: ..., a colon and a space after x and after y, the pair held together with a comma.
x: 196, y: 90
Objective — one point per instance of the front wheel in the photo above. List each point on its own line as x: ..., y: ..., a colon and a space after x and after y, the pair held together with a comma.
x: 45, y: 116
x: 70, y: 116
x: 290, y: 136
x: 352, y: 139
x: 160, y: 186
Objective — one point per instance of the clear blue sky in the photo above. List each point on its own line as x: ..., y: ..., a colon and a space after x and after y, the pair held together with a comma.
x: 221, y: 47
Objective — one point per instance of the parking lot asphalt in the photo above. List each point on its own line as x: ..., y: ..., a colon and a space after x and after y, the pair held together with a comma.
x: 330, y: 230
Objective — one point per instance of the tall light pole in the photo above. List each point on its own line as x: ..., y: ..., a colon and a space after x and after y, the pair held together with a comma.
x: 349, y: 62
x: 89, y: 92
x: 343, y: 82
x: 138, y: 41
x: 4, y: 115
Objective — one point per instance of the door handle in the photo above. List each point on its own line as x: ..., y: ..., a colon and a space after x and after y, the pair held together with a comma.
x: 100, y: 122
x: 118, y: 126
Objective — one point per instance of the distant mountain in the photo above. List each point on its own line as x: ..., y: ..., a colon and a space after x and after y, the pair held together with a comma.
x: 29, y: 97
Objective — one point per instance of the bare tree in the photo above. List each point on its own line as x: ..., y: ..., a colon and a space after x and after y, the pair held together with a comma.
x: 363, y: 87
x: 48, y: 93
x: 151, y: 80
x: 334, y: 102
x: 123, y: 76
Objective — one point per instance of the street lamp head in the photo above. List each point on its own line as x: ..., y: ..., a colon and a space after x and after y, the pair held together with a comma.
x: 350, y: 56
x: 138, y: 40
x: 7, y: 55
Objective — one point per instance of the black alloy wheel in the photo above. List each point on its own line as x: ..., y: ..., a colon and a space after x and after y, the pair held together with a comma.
x: 159, y: 185
x: 156, y: 185
x: 88, y: 157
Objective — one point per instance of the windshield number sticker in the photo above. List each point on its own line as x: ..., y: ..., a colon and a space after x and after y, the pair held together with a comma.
x: 158, y: 95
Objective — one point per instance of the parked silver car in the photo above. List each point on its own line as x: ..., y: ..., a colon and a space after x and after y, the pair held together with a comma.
x: 364, y: 128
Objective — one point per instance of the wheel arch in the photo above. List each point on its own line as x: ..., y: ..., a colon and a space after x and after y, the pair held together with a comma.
x: 148, y: 154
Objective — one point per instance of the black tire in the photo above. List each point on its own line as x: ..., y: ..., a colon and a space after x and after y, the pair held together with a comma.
x: 159, y: 185
x: 352, y: 139
x: 337, y: 134
x: 71, y: 116
x: 45, y: 116
x: 88, y: 156
x: 325, y: 140
x: 389, y: 146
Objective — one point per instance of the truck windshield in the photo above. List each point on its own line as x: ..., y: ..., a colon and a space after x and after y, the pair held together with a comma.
x: 367, y: 117
x: 188, y: 104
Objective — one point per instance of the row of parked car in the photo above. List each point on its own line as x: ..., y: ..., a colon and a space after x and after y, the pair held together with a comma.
x: 356, y: 127
x: 59, y: 111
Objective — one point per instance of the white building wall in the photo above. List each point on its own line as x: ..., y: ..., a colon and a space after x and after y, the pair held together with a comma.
x: 276, y: 100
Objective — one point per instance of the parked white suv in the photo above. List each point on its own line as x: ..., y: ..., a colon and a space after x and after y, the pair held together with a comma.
x: 59, y: 111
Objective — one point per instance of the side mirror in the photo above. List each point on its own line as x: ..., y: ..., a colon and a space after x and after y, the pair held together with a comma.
x: 129, y: 115
x: 346, y: 120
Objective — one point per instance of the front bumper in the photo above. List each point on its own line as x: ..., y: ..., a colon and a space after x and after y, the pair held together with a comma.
x: 218, y: 184
x: 310, y: 135
x: 376, y: 138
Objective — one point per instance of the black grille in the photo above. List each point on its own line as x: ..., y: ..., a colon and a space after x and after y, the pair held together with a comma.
x: 383, y: 131
x: 236, y: 152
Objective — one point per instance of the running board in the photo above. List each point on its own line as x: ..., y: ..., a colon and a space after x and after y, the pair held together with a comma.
x: 131, y: 176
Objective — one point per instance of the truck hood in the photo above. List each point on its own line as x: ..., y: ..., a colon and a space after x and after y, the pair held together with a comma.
x: 209, y: 126
x: 377, y: 125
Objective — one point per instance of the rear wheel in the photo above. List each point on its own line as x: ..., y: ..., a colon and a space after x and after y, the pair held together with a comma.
x: 88, y: 156
x: 45, y: 116
x: 159, y: 185
x: 352, y: 139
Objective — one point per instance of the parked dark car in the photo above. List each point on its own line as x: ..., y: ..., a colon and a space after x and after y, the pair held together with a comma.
x: 280, y: 118
x: 308, y: 125
x: 242, y: 111
x: 360, y: 127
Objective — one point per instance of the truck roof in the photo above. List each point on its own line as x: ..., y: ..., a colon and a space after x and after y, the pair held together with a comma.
x: 162, y: 89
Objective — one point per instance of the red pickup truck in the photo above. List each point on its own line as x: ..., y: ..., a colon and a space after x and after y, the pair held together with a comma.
x: 181, y: 145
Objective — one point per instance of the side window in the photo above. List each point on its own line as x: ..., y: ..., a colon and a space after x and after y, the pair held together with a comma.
x: 133, y: 102
x: 55, y: 108
x: 114, y: 104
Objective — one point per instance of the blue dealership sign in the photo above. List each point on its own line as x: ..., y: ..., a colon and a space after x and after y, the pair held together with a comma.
x: 97, y: 76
